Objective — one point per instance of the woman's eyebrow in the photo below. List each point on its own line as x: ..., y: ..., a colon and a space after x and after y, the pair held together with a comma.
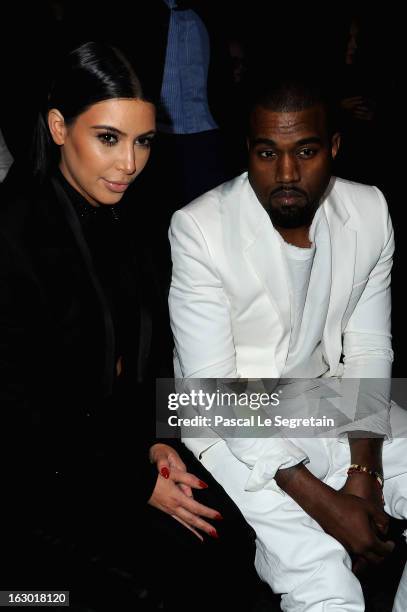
x: 149, y: 133
x: 110, y: 128
x: 117, y: 131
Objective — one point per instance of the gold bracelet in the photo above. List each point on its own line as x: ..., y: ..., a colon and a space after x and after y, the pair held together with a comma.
x: 355, y: 467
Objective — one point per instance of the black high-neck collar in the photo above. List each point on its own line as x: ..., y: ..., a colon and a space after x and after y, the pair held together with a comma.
x: 83, y: 208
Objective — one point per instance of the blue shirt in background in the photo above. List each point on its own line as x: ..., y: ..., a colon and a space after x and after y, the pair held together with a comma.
x: 184, y: 100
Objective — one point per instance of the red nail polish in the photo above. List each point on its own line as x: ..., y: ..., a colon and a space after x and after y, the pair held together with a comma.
x: 165, y: 472
x: 203, y: 484
x: 218, y: 516
x: 214, y: 534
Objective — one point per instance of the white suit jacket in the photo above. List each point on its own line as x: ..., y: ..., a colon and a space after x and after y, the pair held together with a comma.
x: 230, y: 307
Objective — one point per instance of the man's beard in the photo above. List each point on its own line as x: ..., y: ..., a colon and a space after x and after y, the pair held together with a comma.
x: 292, y: 216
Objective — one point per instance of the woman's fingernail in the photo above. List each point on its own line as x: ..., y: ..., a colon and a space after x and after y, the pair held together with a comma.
x: 218, y: 516
x: 214, y: 533
x: 203, y: 484
x: 165, y: 472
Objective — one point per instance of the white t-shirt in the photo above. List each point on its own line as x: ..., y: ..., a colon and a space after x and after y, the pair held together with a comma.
x: 309, y: 279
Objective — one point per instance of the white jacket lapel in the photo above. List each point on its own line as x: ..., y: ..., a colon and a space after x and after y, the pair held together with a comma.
x: 343, y: 249
x: 262, y: 249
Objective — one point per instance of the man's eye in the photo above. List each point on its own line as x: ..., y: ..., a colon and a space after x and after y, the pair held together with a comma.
x: 306, y: 153
x: 108, y: 139
x: 266, y: 154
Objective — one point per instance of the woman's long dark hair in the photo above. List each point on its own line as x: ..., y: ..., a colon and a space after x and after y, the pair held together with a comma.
x: 89, y: 74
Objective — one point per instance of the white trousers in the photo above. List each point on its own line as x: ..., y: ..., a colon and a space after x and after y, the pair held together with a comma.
x: 311, y: 570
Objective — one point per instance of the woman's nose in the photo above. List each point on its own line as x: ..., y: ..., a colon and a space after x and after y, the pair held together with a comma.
x: 127, y: 161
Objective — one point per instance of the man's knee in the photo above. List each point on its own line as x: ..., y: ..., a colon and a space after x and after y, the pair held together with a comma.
x: 332, y: 588
x: 328, y: 584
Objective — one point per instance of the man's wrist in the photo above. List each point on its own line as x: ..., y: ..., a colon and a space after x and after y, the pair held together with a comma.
x: 356, y: 468
x: 366, y: 452
x: 306, y: 489
x: 286, y: 477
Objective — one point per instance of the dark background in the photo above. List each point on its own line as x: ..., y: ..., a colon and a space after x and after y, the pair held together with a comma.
x: 38, y: 33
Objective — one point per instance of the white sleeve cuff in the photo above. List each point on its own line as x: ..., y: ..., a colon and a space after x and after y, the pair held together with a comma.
x: 279, y: 454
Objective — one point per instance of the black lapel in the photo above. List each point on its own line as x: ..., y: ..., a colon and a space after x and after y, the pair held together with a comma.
x: 138, y: 282
x: 145, y: 320
x: 76, y: 229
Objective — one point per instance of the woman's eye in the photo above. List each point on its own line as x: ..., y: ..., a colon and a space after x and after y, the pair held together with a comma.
x: 108, y: 138
x: 144, y: 141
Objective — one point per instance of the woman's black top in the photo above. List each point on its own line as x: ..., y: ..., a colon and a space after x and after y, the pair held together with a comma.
x: 77, y: 292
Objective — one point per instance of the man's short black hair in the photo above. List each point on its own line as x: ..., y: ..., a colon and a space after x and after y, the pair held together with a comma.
x: 294, y: 92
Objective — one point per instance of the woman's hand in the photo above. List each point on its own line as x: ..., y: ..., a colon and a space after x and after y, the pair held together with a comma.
x: 173, y: 492
x: 166, y: 459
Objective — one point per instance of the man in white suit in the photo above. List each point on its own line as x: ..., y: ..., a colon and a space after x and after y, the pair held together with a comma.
x: 285, y: 272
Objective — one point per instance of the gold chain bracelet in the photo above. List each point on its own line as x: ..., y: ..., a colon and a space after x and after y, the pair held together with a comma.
x: 356, y: 468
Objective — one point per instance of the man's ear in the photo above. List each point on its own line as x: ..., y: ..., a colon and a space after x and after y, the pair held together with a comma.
x: 56, y: 124
x: 335, y: 144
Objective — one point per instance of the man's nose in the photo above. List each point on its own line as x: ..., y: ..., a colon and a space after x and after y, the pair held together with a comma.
x: 287, y: 169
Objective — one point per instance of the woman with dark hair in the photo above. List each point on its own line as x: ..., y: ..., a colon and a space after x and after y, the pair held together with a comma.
x: 84, y: 334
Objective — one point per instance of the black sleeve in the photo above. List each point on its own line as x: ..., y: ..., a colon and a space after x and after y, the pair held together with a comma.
x: 12, y: 332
